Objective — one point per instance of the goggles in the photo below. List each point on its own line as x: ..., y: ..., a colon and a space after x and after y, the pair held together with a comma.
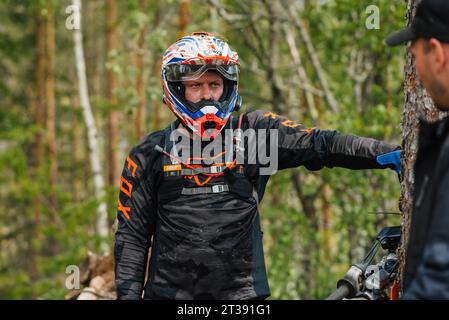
x: 184, y: 72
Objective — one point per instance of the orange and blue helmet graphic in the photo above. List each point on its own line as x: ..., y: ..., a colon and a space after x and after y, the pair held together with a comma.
x: 192, y: 56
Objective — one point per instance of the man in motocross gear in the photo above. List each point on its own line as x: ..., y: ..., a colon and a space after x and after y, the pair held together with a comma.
x: 199, y: 214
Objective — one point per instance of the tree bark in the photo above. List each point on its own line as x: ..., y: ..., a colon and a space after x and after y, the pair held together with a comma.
x: 51, y: 120
x: 38, y: 143
x: 301, y: 72
x: 95, y: 160
x: 359, y: 69
x: 156, y: 70
x: 273, y: 8
x: 113, y: 116
x: 184, y: 17
x: 77, y: 156
x: 326, y: 221
x: 417, y: 105
x: 312, y: 246
x: 306, y: 39
x: 140, y: 114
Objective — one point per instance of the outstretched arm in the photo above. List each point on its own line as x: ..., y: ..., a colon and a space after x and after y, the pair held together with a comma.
x: 316, y: 148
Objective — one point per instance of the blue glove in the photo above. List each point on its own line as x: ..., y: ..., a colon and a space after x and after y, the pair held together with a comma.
x: 391, y: 158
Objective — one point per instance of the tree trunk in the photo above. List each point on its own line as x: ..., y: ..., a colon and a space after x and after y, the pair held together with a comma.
x: 77, y: 156
x: 184, y: 17
x: 140, y: 114
x: 277, y: 98
x: 113, y: 116
x: 95, y: 160
x: 326, y: 221
x: 417, y: 105
x: 311, y: 246
x: 50, y: 121
x: 156, y: 69
x: 307, y: 40
x: 301, y: 72
x: 38, y: 143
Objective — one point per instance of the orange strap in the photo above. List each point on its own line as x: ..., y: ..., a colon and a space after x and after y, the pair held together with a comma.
x: 200, y: 184
x: 394, y: 291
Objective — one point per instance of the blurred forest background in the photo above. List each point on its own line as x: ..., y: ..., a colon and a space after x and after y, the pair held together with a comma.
x: 314, y: 61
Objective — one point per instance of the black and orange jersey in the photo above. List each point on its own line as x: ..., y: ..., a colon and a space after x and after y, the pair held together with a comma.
x: 202, y: 221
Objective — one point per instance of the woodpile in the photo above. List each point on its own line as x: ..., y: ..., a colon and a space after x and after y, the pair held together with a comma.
x: 96, y: 279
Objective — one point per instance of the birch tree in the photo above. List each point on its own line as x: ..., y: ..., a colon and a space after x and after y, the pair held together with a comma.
x: 112, y: 84
x: 92, y: 136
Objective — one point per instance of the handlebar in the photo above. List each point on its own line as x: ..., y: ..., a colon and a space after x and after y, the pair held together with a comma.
x: 371, y: 281
x: 341, y: 292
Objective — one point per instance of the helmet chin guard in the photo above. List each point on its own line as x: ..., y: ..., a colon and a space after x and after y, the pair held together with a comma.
x: 210, y: 124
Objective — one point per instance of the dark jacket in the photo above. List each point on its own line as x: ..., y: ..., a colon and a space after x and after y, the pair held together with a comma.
x: 426, y: 274
x: 209, y: 246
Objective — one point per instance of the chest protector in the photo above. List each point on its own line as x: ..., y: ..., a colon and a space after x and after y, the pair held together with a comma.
x: 183, y: 178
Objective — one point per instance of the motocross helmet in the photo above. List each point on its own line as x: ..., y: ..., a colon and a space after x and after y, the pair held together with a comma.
x: 188, y: 59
